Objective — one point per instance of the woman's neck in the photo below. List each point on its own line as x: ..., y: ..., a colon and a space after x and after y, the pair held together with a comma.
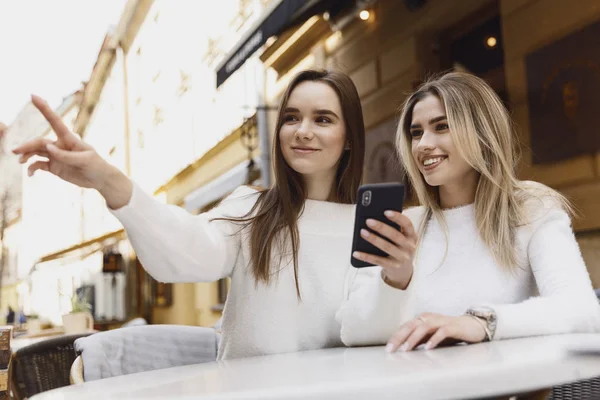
x: 318, y: 186
x: 461, y: 194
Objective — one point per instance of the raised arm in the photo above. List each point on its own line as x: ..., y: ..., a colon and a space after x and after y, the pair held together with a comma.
x: 172, y: 244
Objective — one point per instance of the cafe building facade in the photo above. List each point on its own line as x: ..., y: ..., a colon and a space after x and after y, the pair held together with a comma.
x: 539, y: 55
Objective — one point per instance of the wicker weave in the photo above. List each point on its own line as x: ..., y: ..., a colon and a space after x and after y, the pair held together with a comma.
x: 588, y: 389
x: 42, y: 366
x: 583, y: 390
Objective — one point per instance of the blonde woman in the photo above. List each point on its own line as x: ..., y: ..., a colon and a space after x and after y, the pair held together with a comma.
x: 490, y: 257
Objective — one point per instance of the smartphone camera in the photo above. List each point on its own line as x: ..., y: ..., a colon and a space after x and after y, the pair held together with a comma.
x: 366, y: 198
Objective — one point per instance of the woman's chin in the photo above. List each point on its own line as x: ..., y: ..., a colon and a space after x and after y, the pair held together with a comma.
x: 307, y: 168
x: 432, y: 181
x: 304, y: 171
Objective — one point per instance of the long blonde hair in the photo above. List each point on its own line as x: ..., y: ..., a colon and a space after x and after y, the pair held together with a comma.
x: 484, y: 135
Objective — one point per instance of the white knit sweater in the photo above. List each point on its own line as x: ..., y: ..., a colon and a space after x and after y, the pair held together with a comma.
x: 175, y: 246
x: 550, y: 291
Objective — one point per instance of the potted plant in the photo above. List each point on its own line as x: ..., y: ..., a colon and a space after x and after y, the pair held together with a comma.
x: 34, y: 324
x: 80, y: 318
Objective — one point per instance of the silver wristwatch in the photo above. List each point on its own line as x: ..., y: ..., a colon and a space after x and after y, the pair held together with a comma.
x: 488, y: 316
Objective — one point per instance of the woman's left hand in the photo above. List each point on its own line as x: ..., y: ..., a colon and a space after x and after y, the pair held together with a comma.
x: 435, y: 329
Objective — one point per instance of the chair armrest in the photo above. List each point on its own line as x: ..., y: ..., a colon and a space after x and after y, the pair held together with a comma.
x: 145, y: 348
x: 76, y: 372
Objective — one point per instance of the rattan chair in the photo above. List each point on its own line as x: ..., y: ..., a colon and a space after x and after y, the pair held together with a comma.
x: 76, y: 373
x: 588, y: 389
x: 42, y: 366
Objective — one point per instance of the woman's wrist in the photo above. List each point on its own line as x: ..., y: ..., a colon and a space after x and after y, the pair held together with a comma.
x: 400, y: 283
x: 116, y: 188
x: 488, y: 317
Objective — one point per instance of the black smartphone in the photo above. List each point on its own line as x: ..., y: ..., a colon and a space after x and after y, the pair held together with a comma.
x: 372, y: 201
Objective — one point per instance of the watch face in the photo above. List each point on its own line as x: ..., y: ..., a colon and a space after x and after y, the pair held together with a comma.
x: 482, y: 313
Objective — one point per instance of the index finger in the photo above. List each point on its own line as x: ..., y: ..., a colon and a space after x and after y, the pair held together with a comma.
x: 403, y: 221
x: 62, y: 131
x: 37, y: 145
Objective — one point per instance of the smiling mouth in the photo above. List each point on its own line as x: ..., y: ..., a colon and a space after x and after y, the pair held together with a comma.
x: 304, y: 150
x: 431, y: 163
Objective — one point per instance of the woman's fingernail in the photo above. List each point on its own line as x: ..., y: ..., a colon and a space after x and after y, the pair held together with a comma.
x: 364, y: 232
x: 356, y: 254
x: 371, y: 223
x: 404, y: 347
x: 389, y: 213
x: 428, y: 346
x: 389, y: 348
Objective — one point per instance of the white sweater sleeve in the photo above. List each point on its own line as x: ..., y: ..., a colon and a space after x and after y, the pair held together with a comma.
x: 372, y: 310
x: 176, y: 246
x: 566, y: 302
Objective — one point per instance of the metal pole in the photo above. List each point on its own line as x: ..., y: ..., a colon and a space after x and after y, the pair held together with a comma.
x: 262, y: 126
x: 126, y: 126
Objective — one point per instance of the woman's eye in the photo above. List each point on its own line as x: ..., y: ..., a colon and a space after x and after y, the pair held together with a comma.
x: 323, y: 120
x: 442, y: 127
x: 290, y: 118
x: 416, y: 133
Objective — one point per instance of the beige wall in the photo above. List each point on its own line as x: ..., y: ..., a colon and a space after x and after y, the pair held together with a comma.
x: 590, y: 248
x: 225, y: 158
x: 206, y: 299
x: 192, y: 305
x: 529, y: 25
x: 182, y: 311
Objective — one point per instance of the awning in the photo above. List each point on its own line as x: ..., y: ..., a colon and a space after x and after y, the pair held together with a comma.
x: 280, y: 16
x: 217, y: 188
x: 80, y: 250
x: 118, y: 235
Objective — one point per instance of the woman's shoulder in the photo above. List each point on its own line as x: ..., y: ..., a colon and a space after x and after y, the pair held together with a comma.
x: 245, y: 191
x: 541, y: 204
x: 238, y: 203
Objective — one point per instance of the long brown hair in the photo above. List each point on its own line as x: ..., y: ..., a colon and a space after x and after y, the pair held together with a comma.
x: 279, y: 207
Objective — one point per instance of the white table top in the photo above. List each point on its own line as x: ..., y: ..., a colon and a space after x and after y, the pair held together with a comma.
x: 487, y: 369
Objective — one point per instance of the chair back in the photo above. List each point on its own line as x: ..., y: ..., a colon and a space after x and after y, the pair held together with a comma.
x: 42, y: 366
x: 5, y: 353
x: 588, y: 389
x: 145, y: 348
